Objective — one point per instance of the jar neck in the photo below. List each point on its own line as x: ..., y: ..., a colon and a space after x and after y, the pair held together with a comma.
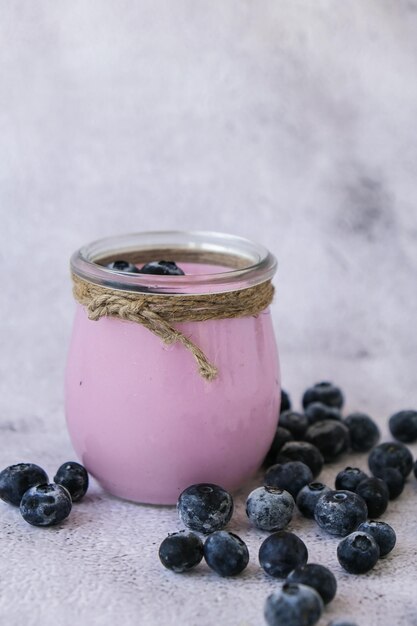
x: 241, y: 262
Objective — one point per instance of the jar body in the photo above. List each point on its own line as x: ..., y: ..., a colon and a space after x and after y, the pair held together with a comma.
x: 144, y: 422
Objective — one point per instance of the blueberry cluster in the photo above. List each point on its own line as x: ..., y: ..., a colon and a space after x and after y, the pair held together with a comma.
x: 303, y: 443
x: 41, y: 503
x: 163, y: 268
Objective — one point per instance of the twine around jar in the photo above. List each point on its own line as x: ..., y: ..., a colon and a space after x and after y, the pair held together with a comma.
x: 158, y: 312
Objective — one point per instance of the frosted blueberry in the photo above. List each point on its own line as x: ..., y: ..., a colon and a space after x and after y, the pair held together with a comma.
x: 308, y: 496
x: 282, y: 552
x: 123, y: 266
x: 324, y: 392
x: 349, y: 478
x: 45, y: 505
x: 340, y: 512
x: 16, y: 479
x: 383, y: 534
x: 291, y: 476
x: 358, y: 552
x: 73, y: 477
x: 269, y: 509
x: 293, y: 605
x: 181, y: 551
x: 317, y: 411
x: 205, y: 507
x: 165, y: 268
x: 226, y: 553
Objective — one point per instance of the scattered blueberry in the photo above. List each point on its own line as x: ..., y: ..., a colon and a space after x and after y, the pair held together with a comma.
x: 181, y: 551
x: 383, y: 534
x: 349, y: 478
x: 73, y: 477
x: 269, y: 509
x: 306, y: 453
x: 293, y: 605
x: 281, y: 437
x: 45, y: 505
x: 340, y: 512
x: 165, y: 268
x: 364, y: 433
x: 226, y: 553
x: 390, y: 454
x: 291, y: 476
x: 376, y: 495
x: 316, y: 576
x: 324, y: 392
x: 205, y: 507
x: 285, y: 401
x: 317, y: 411
x: 403, y: 426
x: 308, y: 496
x: 394, y: 480
x: 330, y: 437
x: 16, y: 479
x: 296, y: 423
x: 358, y: 552
x: 123, y: 266
x: 282, y: 552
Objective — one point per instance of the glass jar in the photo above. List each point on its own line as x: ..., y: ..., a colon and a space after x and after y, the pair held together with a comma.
x: 142, y: 419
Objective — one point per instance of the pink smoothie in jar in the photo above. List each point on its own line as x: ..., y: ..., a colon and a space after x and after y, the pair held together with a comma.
x: 142, y: 419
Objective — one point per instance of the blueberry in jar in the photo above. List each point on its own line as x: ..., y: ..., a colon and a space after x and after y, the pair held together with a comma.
x: 364, y: 433
x: 325, y: 392
x: 163, y: 268
x: 74, y: 477
x: 390, y: 454
x: 306, y: 453
x: 316, y: 576
x: 282, y: 552
x: 123, y: 266
x: 205, y: 507
x: 376, y: 495
x: 383, y: 534
x: 226, y: 553
x: 358, y: 552
x: 15, y: 480
x: 308, y: 497
x: 269, y: 508
x: 45, y: 505
x: 296, y: 423
x: 181, y: 551
x: 340, y: 512
x: 349, y: 478
x: 403, y: 426
x: 330, y: 437
x: 317, y: 411
x: 293, y: 605
x: 291, y: 476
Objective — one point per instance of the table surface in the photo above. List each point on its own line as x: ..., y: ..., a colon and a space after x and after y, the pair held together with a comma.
x: 101, y: 565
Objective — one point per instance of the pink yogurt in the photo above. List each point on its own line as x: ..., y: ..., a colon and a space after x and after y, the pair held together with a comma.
x: 144, y: 422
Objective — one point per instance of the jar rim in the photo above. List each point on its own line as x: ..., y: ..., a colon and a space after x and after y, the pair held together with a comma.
x: 255, y: 263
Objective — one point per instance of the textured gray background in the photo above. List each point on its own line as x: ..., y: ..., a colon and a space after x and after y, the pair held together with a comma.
x: 291, y: 122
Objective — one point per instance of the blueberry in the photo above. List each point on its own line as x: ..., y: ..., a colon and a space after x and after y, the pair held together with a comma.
x: 293, y: 605
x: 165, y: 268
x: 290, y: 476
x: 383, y: 534
x: 308, y: 496
x: 73, y: 477
x: 282, y: 552
x: 317, y: 411
x: 394, y: 480
x: 330, y: 437
x: 226, y: 553
x: 269, y: 509
x: 376, y: 495
x: 123, y: 266
x: 349, y: 478
x: 364, y: 433
x: 324, y: 392
x: 181, y: 551
x: 306, y: 453
x: 45, y: 505
x: 16, y: 479
x: 281, y: 437
x: 285, y: 401
x: 390, y: 454
x: 316, y: 576
x: 403, y: 426
x: 340, y: 512
x: 205, y: 507
x: 296, y: 423
x: 358, y: 552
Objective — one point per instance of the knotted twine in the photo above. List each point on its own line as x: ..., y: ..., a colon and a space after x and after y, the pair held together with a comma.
x: 158, y: 312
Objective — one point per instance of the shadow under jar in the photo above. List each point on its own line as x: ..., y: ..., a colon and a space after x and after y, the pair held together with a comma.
x: 144, y: 416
